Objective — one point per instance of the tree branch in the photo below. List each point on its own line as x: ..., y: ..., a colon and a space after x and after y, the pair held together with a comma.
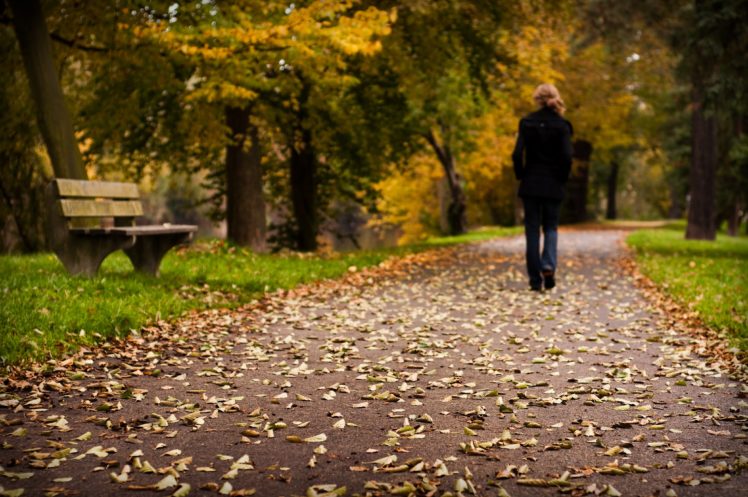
x: 278, y: 48
x: 429, y: 136
x: 74, y: 44
x: 444, y: 154
x: 8, y: 21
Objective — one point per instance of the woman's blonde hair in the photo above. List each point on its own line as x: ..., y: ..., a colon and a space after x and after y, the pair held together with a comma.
x: 547, y: 95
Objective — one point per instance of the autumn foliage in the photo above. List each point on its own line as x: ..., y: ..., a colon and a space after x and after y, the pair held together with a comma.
x: 293, y: 120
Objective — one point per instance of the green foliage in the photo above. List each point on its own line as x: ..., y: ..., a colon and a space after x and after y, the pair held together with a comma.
x: 714, y: 40
x: 442, y: 55
x: 710, y: 278
x: 694, y: 50
x: 732, y: 176
x: 735, y: 171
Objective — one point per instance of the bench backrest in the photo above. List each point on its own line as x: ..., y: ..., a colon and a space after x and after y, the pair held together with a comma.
x: 98, y: 199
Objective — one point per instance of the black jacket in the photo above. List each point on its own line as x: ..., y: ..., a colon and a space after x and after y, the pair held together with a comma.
x: 542, y: 155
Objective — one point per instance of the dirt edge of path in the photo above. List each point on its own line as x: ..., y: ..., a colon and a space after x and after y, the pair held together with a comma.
x: 708, y: 342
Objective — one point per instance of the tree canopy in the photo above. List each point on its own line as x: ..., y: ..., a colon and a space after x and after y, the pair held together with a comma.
x: 291, y: 120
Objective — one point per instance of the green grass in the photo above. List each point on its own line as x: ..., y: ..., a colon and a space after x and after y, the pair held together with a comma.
x: 480, y: 234
x: 46, y: 313
x: 709, y: 277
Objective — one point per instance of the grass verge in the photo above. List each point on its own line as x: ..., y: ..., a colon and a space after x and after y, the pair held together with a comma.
x: 46, y: 313
x: 710, y: 278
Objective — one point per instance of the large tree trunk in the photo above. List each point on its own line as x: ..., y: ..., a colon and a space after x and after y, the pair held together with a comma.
x: 53, y: 117
x: 611, y: 211
x: 457, y: 208
x: 304, y: 176
x: 245, y: 204
x: 702, y: 217
x: 304, y: 190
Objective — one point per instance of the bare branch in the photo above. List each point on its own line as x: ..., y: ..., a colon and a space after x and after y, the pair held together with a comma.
x: 75, y: 44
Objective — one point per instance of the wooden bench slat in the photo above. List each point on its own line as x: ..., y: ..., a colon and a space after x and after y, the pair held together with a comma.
x: 160, y: 229
x: 137, y: 230
x: 97, y: 189
x: 101, y: 208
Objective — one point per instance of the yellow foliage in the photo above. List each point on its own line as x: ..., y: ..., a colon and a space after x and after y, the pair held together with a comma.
x: 222, y: 91
x: 487, y: 169
x: 235, y: 55
x: 538, y: 52
x: 599, y: 100
x: 358, y: 34
x: 409, y: 198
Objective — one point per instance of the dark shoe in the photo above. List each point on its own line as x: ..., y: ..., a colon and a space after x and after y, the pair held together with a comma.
x: 549, y: 279
x: 536, y: 288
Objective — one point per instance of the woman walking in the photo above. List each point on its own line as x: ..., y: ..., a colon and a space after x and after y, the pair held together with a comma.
x: 542, y: 163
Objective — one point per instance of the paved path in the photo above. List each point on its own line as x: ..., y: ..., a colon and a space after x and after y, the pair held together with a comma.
x: 452, y: 377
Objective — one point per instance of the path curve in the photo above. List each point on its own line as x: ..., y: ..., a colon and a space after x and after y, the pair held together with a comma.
x: 450, y: 377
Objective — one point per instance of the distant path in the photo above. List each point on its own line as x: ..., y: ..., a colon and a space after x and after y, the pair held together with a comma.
x: 450, y: 377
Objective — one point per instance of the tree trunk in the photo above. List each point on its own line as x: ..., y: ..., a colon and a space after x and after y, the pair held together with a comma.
x: 733, y: 219
x: 701, y: 209
x: 304, y: 190
x: 457, y: 208
x: 53, y: 116
x: 304, y: 176
x: 245, y: 203
x: 737, y: 207
x: 610, y: 212
x: 676, y: 202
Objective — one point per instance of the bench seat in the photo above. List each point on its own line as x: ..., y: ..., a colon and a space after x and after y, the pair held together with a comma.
x: 137, y: 230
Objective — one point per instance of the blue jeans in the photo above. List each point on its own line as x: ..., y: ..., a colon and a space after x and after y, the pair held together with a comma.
x: 541, y: 211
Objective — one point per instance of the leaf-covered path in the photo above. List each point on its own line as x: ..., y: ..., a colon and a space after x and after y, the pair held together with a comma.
x: 446, y: 375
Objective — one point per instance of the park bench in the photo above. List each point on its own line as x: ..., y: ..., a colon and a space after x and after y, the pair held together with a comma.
x: 88, y: 220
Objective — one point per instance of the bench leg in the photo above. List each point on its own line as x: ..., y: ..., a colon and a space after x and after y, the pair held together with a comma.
x: 148, y: 250
x: 83, y: 255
